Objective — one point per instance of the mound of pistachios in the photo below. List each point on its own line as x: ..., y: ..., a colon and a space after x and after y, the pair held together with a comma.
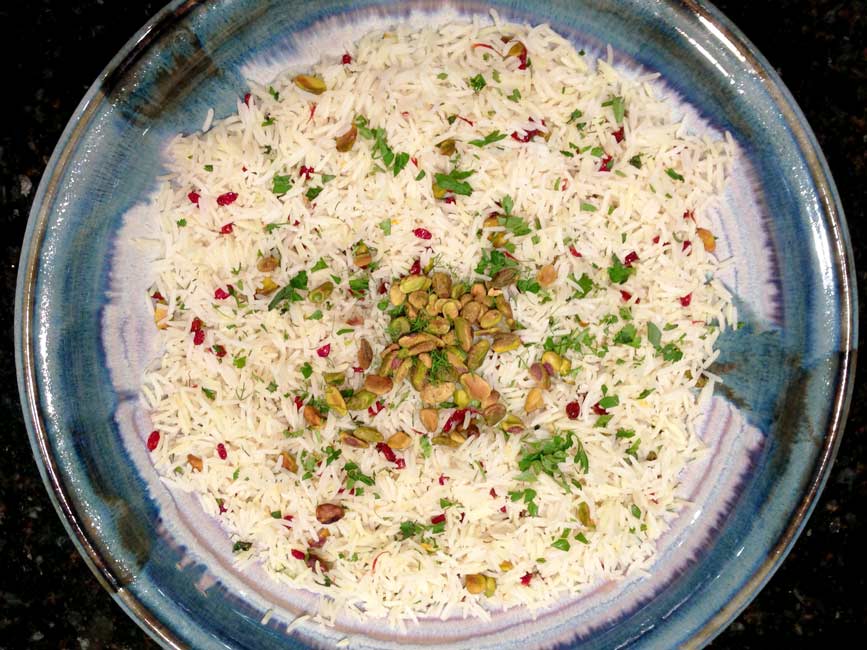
x: 441, y: 332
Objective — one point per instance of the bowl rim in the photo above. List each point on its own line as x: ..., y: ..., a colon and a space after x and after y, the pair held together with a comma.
x: 718, y: 27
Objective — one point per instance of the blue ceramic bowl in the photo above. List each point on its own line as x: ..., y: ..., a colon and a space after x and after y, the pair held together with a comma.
x: 82, y: 342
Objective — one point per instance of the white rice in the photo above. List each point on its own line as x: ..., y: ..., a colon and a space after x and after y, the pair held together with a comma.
x: 409, y: 83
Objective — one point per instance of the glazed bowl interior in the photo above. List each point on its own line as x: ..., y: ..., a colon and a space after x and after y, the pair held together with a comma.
x: 84, y: 337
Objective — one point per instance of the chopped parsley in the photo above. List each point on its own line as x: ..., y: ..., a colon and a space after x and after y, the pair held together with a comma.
x: 354, y: 475
x: 636, y: 511
x: 281, y: 184
x: 617, y: 272
x: 635, y: 161
x: 477, y: 83
x: 673, y: 174
x: 587, y: 207
x: 239, y: 362
x: 209, y: 168
x: 210, y: 394
x: 628, y: 336
x: 306, y: 370
x: 671, y: 352
x: 312, y: 193
x: 528, y: 496
x: 321, y: 264
x: 454, y: 182
x: 494, y: 261
x: 239, y: 547
x: 181, y: 223
x: 289, y: 293
x: 584, y: 283
x: 618, y: 107
x: 493, y: 136
x: 273, y: 93
x: 515, y: 95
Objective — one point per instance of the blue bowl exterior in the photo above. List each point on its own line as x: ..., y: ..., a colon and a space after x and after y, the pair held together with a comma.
x: 793, y: 383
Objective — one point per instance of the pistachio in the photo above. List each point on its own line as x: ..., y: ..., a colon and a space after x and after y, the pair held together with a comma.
x: 451, y: 309
x: 450, y: 338
x: 707, y: 239
x: 426, y: 359
x: 362, y: 257
x: 478, y: 352
x: 334, y: 378
x: 584, y: 515
x: 512, y: 424
x: 478, y: 292
x: 411, y: 340
x: 456, y: 358
x: 505, y: 342
x: 402, y: 371
x: 464, y: 333
x: 335, y: 400
x: 438, y: 191
x: 360, y: 400
x: 399, y: 326
x: 418, y: 299
x: 491, y: 221
x: 413, y: 283
x: 310, y: 83
x: 287, y: 461
x: 498, y: 239
x: 445, y: 440
x: 471, y: 311
x: 446, y: 373
x: 418, y: 376
x: 368, y: 434
x: 461, y: 398
x: 491, y: 399
x: 505, y: 308
x: 442, y: 284
x: 365, y: 354
x: 534, y: 400
x: 540, y: 376
x: 477, y: 387
x: 321, y: 293
x: 267, y: 287
x: 346, y: 141
x: 446, y: 147
x: 457, y: 438
x: 396, y: 296
x: 494, y: 413
x: 490, y: 586
x: 518, y: 49
x: 195, y: 462
x: 436, y: 393
x: 490, y: 318
x: 377, y: 384
x: 504, y: 277
x: 458, y: 289
x: 475, y: 583
x: 438, y: 304
x: 565, y: 367
x: 546, y: 275
x: 410, y: 311
x: 312, y: 417
x: 553, y: 362
x: 424, y: 346
x: 160, y: 313
x: 651, y: 456
x: 347, y: 438
x: 430, y: 419
x: 438, y: 325
x: 399, y: 441
x: 328, y: 513
x: 505, y: 565
x: 267, y: 264
x: 387, y: 366
x: 465, y: 299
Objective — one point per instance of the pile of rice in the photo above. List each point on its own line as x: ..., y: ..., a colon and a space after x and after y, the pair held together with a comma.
x: 237, y: 412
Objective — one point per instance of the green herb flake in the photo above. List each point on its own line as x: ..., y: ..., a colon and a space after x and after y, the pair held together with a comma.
x: 625, y: 433
x: 182, y: 223
x: 645, y: 393
x: 273, y: 93
x: 618, y: 107
x: 455, y: 182
x: 426, y: 448
x: 617, y: 272
x: 587, y: 207
x: 514, y: 96
x: 443, y: 75
x: 671, y: 352
x: 562, y: 544
x: 312, y: 193
x: 673, y: 174
x: 636, y: 511
x: 420, y: 175
x: 210, y: 394
x: 320, y: 265
x: 209, y: 168
x: 276, y: 514
x: 493, y: 136
x: 239, y: 547
x: 385, y: 226
x: 477, y: 83
x: 581, y: 538
x: 496, y: 75
x: 239, y: 362
x: 281, y: 184
x: 306, y: 370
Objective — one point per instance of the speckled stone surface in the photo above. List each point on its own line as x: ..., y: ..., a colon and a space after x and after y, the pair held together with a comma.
x: 52, y: 50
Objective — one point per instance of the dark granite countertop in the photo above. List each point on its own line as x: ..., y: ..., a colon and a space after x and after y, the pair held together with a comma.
x: 52, y: 50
